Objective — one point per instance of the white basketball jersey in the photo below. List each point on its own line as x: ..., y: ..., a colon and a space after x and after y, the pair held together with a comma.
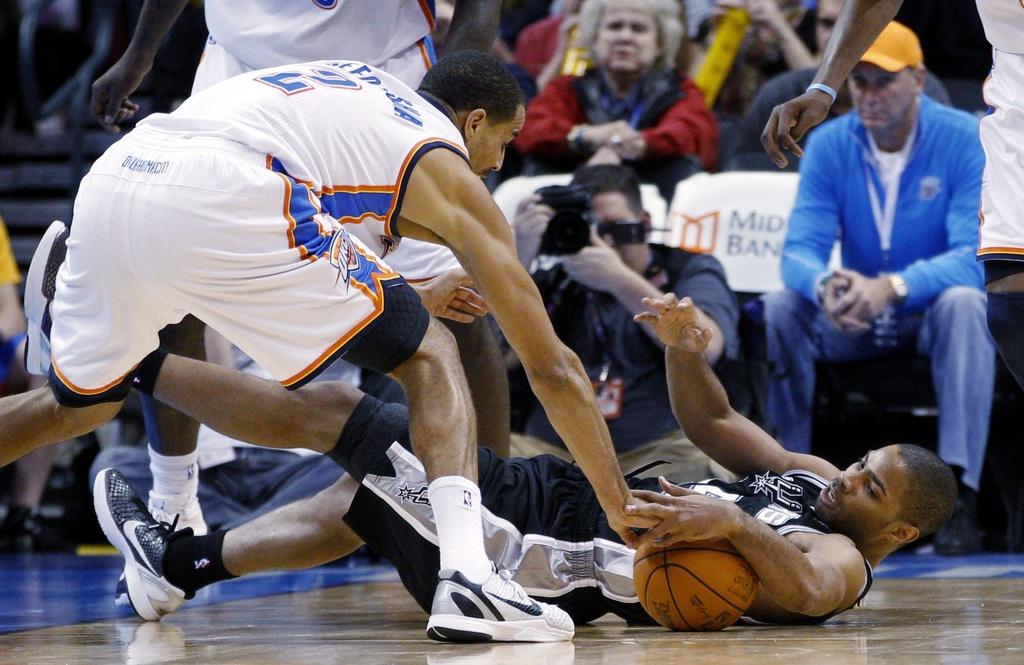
x: 266, y: 33
x: 345, y: 134
x: 1004, y: 24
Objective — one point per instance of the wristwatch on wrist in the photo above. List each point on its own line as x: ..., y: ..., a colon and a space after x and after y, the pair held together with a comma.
x: 821, y: 288
x: 899, y: 287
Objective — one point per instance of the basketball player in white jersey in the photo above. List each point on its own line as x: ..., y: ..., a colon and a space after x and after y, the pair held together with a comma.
x: 243, y: 207
x: 393, y: 35
x: 1002, y: 136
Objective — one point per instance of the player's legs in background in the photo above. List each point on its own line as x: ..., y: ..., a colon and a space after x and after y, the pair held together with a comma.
x: 485, y: 372
x: 172, y: 439
x: 1005, y: 287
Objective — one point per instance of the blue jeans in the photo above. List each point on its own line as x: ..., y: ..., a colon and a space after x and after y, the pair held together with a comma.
x: 257, y: 481
x: 952, y: 333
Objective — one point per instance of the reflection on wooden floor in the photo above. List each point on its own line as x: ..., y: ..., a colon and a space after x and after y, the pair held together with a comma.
x: 969, y: 621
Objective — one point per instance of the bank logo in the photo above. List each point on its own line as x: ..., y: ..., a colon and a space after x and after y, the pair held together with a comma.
x: 697, y: 233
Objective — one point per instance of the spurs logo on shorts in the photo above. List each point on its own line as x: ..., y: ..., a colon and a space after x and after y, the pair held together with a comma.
x: 414, y: 495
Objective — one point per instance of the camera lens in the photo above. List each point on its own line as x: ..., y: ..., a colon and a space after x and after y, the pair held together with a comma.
x: 567, y: 233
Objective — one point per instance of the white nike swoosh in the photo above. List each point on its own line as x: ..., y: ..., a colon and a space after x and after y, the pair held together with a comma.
x: 128, y: 529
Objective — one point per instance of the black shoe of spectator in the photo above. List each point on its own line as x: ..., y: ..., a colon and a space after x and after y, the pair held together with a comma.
x: 22, y: 531
x: 961, y: 535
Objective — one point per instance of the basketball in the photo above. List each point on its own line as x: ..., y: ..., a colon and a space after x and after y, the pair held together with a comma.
x: 689, y: 588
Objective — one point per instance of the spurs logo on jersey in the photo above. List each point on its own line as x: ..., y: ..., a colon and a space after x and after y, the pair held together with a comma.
x: 780, y: 490
x: 784, y: 502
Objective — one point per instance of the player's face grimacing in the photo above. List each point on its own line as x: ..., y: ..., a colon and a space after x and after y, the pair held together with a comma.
x: 867, y: 498
x: 486, y: 140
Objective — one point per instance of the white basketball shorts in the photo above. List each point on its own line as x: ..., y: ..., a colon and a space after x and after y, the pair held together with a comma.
x: 414, y: 259
x: 1002, y: 136
x: 165, y: 227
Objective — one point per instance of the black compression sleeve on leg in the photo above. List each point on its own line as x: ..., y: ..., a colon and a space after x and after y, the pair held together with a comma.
x: 1005, y: 322
x: 192, y: 562
x: 149, y: 370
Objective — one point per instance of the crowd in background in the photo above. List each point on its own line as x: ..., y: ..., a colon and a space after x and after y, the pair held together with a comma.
x: 626, y: 93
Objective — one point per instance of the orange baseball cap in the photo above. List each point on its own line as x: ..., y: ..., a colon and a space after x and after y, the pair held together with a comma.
x: 895, y: 49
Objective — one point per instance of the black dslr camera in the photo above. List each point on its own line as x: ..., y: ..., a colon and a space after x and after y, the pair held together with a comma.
x: 569, y: 230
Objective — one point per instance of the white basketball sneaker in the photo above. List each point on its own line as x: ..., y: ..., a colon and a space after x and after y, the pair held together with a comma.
x: 497, y: 610
x: 40, y: 286
x: 183, y: 507
x: 142, y: 542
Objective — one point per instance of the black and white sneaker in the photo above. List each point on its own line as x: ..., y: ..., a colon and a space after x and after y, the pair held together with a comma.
x: 40, y: 286
x: 497, y: 610
x: 142, y: 542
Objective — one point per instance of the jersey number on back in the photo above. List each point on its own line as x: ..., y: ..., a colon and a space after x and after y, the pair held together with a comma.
x: 294, y: 82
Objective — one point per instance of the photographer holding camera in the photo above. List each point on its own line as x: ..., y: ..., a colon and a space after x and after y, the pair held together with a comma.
x: 593, y: 267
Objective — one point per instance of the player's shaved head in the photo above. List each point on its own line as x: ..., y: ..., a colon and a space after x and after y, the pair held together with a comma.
x: 930, y: 494
x: 468, y: 80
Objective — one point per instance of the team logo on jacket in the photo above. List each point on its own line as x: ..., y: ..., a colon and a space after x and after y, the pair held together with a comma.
x: 929, y: 188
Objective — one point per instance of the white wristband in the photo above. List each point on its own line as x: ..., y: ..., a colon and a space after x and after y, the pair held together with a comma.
x: 824, y: 88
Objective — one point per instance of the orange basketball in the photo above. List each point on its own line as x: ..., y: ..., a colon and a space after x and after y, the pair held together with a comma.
x: 688, y: 588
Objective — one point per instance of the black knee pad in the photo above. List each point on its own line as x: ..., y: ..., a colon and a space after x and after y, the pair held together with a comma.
x: 997, y: 269
x: 1006, y: 323
x: 389, y: 340
x: 371, y: 429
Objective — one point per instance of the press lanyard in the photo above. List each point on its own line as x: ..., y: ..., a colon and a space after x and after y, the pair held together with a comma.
x: 603, y: 341
x: 885, y: 213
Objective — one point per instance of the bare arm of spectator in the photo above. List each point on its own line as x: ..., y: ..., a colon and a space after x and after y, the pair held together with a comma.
x: 12, y: 320
x: 110, y: 103
x: 859, y: 24
x: 554, y: 66
x: 794, y: 51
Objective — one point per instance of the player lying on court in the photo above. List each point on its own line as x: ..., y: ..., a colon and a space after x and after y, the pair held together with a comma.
x: 811, y: 531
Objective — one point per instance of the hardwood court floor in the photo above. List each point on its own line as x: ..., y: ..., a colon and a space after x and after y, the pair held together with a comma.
x: 948, y: 621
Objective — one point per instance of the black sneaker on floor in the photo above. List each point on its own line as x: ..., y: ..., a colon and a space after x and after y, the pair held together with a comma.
x: 960, y: 536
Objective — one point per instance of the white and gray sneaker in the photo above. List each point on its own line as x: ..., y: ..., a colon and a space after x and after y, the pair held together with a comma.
x: 40, y: 287
x: 142, y: 542
x: 497, y: 610
x: 183, y: 509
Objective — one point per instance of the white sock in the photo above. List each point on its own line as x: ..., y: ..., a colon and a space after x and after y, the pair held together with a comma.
x: 460, y: 532
x: 174, y: 474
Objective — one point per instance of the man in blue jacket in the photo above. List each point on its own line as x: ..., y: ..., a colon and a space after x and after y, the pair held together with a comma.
x: 898, y: 183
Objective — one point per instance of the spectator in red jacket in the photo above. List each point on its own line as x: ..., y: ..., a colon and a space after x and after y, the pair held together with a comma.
x: 632, y: 107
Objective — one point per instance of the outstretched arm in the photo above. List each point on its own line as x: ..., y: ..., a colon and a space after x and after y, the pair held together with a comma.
x: 701, y: 405
x: 809, y: 575
x: 110, y: 104
x: 446, y: 202
x: 859, y: 24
